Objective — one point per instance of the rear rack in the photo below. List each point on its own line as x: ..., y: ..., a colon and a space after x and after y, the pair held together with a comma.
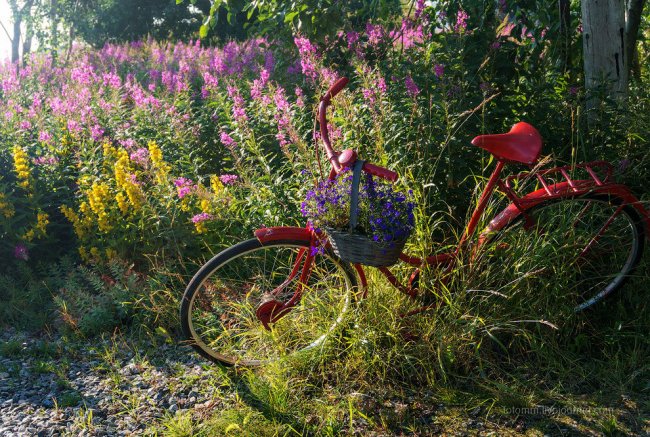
x: 555, y: 180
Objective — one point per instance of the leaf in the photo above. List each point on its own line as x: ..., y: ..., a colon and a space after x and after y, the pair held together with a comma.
x: 178, y: 2
x: 203, y: 31
x: 290, y: 16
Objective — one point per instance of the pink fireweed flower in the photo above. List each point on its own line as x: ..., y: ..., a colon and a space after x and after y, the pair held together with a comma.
x: 45, y: 160
x: 25, y: 125
x: 227, y: 140
x: 352, y: 38
x: 259, y: 84
x: 439, y: 70
x: 419, y: 7
x: 376, y: 34
x: 228, y: 179
x: 495, y: 45
x: 411, y: 87
x: 202, y: 217
x: 308, y: 55
x: 184, y: 187
x: 300, y: 102
x: 21, y: 252
x: 461, y: 21
x: 140, y: 156
x: 73, y: 126
x: 238, y: 111
x: 44, y: 136
x: 381, y: 85
x: 96, y: 132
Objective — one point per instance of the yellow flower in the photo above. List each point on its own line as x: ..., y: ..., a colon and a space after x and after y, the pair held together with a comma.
x: 42, y: 220
x: 200, y: 227
x: 120, y: 198
x: 155, y: 153
x: 161, y: 167
x: 6, y: 208
x: 205, y: 205
x: 98, y: 197
x: 21, y: 167
x: 111, y: 253
x: 216, y: 184
x: 83, y: 253
x: 94, y: 252
x: 29, y: 235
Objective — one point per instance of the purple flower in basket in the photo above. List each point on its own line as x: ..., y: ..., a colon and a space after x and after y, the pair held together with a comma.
x: 384, y: 214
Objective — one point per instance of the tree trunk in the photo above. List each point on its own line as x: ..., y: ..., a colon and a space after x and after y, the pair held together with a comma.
x: 603, y: 41
x: 29, y: 35
x: 564, y: 7
x: 15, y: 42
x: 632, y: 22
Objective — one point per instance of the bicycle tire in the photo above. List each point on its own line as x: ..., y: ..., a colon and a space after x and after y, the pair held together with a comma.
x: 219, y: 321
x: 564, y: 227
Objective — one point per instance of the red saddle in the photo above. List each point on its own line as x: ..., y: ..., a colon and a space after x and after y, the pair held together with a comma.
x: 522, y: 144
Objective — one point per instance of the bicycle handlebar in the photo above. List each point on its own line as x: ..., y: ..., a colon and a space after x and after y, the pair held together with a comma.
x: 350, y: 157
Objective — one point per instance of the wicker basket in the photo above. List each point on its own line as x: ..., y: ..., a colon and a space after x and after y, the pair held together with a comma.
x: 356, y: 248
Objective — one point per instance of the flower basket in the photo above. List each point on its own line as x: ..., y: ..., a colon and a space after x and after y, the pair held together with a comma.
x: 356, y: 247
x: 361, y: 249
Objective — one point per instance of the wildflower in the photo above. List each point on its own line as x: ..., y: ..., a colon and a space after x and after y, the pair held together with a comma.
x: 411, y: 87
x: 184, y: 187
x: 227, y: 140
x: 94, y: 252
x: 42, y: 220
x: 161, y: 167
x: 461, y: 21
x: 439, y: 70
x: 238, y: 111
x: 140, y: 156
x: 419, y: 8
x: 573, y: 90
x: 228, y: 179
x: 307, y: 52
x: 96, y: 132
x: 376, y: 33
x: 45, y: 160
x: 25, y: 125
x: 121, y: 202
x: 495, y: 45
x: 199, y: 222
x: 44, y: 137
x: 21, y: 167
x: 216, y: 184
x: 21, y: 252
x: 352, y: 38
x: 111, y: 253
x: 6, y: 208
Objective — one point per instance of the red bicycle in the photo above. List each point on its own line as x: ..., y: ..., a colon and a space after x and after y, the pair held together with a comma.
x: 271, y: 296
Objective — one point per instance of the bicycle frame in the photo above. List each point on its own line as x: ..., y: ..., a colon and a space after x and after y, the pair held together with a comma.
x: 555, y: 183
x: 519, y: 206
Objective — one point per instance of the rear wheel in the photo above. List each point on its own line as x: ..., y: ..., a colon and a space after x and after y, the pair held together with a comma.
x: 587, y: 246
x: 218, y: 310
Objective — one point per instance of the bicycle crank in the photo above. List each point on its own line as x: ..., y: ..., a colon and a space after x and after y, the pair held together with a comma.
x: 270, y: 310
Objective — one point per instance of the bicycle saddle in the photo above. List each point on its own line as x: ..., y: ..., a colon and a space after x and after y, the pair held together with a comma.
x: 522, y: 144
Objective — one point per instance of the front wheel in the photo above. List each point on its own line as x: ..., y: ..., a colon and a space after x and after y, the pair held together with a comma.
x: 218, y: 310
x: 586, y: 247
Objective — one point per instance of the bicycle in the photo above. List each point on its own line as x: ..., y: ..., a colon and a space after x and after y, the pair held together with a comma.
x: 272, y: 296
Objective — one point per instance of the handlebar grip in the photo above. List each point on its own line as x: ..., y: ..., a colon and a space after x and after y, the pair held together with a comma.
x: 381, y: 172
x: 335, y: 89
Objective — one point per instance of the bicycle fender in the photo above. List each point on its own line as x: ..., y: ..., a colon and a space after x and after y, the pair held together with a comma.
x: 559, y: 190
x: 283, y: 233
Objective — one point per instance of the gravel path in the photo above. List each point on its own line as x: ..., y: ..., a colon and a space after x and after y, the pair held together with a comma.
x: 50, y: 388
